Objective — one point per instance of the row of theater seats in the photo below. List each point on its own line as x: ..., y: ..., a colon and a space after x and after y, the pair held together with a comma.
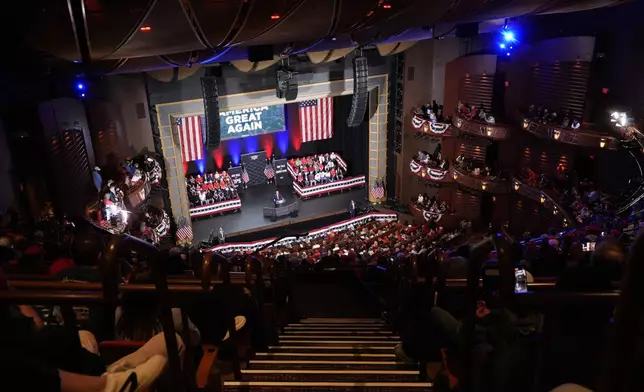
x: 213, y: 296
x: 574, y: 327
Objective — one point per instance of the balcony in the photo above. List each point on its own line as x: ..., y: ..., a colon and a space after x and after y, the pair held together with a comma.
x: 447, y: 220
x: 434, y: 174
x: 425, y: 127
x: 480, y: 128
x: 469, y: 180
x: 578, y: 137
x: 532, y: 192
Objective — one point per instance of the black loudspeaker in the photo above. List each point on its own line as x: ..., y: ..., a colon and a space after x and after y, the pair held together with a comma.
x: 360, y: 96
x: 467, y: 30
x: 211, y: 110
x: 286, y: 84
x: 260, y: 53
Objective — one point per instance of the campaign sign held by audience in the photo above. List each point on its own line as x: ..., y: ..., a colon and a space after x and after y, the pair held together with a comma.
x: 281, y: 172
x: 235, y: 174
x: 250, y: 122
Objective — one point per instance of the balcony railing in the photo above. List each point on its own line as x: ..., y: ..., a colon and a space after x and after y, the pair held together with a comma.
x: 430, y: 173
x: 447, y: 220
x: 570, y: 136
x: 480, y: 128
x: 435, y: 129
x: 544, y: 198
x: 471, y: 181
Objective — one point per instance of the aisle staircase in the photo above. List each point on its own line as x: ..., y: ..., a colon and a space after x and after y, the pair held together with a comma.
x: 333, y: 355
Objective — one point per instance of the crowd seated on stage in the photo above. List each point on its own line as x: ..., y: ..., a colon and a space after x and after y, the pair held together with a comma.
x: 477, y: 113
x: 562, y: 119
x: 210, y: 188
x: 479, y: 169
x: 317, y: 169
x: 434, y: 160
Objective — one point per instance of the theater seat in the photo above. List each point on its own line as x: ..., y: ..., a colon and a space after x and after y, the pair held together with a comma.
x: 113, y: 350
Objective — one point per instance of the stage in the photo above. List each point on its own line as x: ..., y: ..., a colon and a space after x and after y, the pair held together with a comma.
x: 328, y: 209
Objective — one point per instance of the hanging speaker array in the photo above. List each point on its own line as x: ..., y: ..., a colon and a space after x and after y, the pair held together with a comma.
x: 360, y: 95
x: 211, y: 111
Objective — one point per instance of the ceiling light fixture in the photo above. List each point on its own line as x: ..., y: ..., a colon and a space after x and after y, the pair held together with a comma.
x: 275, y: 16
x: 145, y: 28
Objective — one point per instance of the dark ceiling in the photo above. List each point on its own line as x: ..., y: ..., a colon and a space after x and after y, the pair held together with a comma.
x: 135, y: 35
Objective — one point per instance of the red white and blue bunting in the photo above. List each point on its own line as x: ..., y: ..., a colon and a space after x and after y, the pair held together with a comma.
x: 436, y: 128
x: 432, y: 173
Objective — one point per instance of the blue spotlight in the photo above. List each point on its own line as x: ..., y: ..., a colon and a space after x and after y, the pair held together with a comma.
x: 502, y: 45
x: 507, y: 54
x: 508, y: 36
x: 80, y: 86
x: 201, y: 165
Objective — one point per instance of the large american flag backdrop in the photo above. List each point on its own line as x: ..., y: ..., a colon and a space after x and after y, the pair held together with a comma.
x: 316, y: 119
x: 191, y: 138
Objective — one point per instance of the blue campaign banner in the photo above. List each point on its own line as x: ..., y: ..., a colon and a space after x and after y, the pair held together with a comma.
x: 250, y: 122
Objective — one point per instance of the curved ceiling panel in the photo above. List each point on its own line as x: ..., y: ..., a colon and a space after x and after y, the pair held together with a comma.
x: 172, y: 33
x: 155, y: 37
x: 261, y: 18
x: 52, y: 31
x: 352, y: 13
x: 216, y: 29
x: 121, y: 18
x: 300, y: 23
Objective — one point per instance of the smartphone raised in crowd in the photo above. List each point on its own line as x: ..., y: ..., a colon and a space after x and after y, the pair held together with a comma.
x: 520, y: 281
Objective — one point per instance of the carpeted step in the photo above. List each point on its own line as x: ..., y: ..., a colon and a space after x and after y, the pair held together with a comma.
x: 339, y: 342
x: 360, y: 375
x: 272, y: 386
x: 327, y: 348
x: 342, y: 321
x: 307, y: 332
x: 335, y: 327
x: 323, y: 363
x: 324, y: 337
x: 328, y: 356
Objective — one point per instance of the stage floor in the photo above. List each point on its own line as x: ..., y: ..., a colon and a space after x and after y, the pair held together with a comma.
x: 251, y: 217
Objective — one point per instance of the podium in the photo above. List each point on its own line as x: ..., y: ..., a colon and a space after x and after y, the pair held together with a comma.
x: 284, y: 210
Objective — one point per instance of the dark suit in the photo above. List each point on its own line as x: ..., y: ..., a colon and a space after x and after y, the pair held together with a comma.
x: 276, y: 200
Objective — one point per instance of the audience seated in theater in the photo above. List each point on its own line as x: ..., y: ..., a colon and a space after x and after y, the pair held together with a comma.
x: 480, y: 169
x: 317, y: 169
x: 210, y: 188
x: 434, y: 160
x: 431, y: 205
x: 36, y: 358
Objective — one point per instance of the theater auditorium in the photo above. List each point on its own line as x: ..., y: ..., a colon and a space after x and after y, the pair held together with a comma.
x: 293, y: 195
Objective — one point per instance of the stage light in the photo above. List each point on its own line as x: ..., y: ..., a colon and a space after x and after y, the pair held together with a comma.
x: 275, y: 16
x: 386, y: 6
x: 556, y: 134
x: 145, y: 28
x: 542, y: 198
x: 201, y: 165
x: 282, y: 142
x: 602, y: 143
x: 508, y: 36
x: 83, y: 95
x: 507, y: 54
x: 483, y: 185
x: 516, y: 186
x: 251, y: 143
x: 489, y: 131
x: 80, y: 86
x: 526, y: 123
x: 502, y: 45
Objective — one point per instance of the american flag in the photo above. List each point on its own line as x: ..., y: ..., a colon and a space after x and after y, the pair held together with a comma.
x: 191, y: 138
x: 245, y: 177
x: 269, y: 172
x: 378, y: 190
x: 316, y: 119
x: 184, y: 234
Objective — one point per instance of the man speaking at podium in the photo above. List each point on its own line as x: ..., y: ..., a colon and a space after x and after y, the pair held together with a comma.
x: 277, y: 199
